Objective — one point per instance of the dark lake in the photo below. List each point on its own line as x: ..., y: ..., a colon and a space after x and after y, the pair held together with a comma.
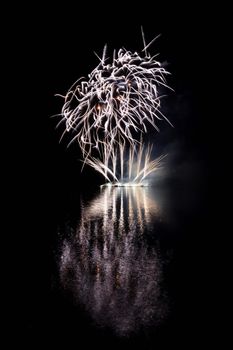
x: 119, y: 267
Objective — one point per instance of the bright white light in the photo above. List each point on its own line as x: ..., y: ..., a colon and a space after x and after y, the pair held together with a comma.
x: 126, y: 184
x: 111, y: 111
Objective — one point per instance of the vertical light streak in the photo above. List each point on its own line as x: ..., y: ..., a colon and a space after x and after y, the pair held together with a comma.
x: 113, y: 273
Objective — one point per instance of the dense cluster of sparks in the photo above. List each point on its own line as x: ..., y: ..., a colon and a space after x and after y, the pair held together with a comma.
x: 112, y: 110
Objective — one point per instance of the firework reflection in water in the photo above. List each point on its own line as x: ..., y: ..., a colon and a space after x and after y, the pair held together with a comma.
x: 108, y: 265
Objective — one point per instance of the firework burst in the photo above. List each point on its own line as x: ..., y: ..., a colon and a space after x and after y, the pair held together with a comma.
x: 111, y: 110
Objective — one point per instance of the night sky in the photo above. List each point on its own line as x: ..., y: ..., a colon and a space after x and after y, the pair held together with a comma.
x: 50, y: 49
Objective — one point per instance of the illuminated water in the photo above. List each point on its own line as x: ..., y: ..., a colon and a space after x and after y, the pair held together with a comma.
x: 117, y: 267
x: 109, y: 264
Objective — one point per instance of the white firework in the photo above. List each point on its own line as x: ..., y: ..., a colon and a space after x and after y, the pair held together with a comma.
x: 111, y: 110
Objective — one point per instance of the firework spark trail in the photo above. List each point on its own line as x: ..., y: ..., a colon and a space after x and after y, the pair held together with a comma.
x: 111, y: 110
x: 139, y: 159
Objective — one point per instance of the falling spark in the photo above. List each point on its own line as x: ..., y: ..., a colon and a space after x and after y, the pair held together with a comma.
x: 111, y: 110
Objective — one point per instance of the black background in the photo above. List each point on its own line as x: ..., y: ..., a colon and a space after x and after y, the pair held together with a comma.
x: 49, y: 49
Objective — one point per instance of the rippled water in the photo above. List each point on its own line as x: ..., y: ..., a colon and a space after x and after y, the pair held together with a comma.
x: 123, y: 268
x: 108, y: 264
